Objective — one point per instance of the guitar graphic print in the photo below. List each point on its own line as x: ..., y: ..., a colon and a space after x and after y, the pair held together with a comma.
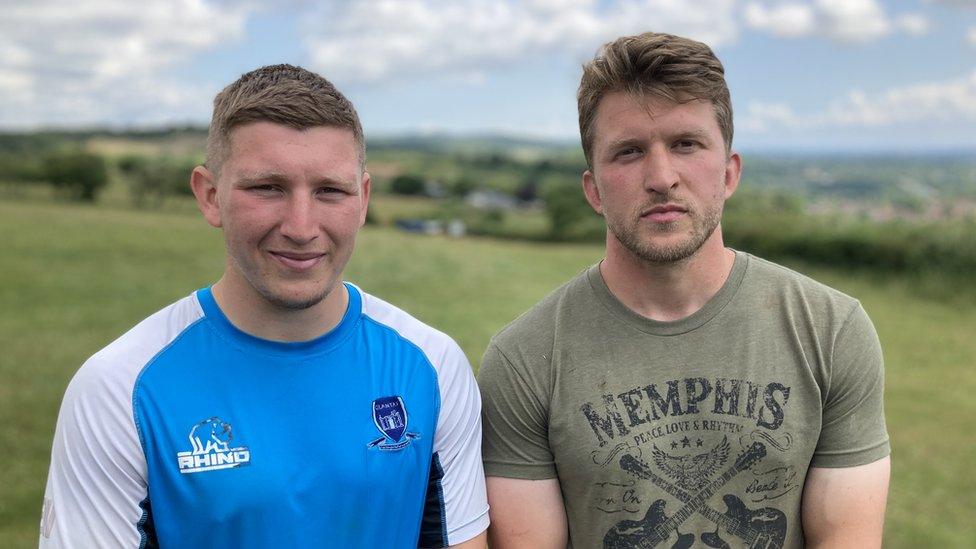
x: 656, y: 527
x: 763, y: 528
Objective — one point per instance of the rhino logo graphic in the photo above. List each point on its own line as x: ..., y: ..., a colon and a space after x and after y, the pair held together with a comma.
x: 211, y: 434
x: 210, y: 440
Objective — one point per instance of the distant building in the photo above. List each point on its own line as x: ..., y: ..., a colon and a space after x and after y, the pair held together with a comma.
x: 454, y: 228
x: 488, y: 199
x: 420, y: 226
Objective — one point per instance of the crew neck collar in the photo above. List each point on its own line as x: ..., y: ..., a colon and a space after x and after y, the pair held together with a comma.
x: 668, y: 328
x: 320, y: 344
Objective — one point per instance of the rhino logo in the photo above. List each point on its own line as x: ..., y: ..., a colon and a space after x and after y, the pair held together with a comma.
x: 210, y: 440
x: 211, y: 434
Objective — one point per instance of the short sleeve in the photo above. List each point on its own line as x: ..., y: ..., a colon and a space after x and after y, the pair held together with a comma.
x: 457, y: 503
x: 853, y: 430
x: 96, y: 493
x: 516, y: 420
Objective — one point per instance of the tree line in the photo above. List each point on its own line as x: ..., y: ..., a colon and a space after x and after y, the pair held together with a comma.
x: 77, y: 174
x: 771, y: 223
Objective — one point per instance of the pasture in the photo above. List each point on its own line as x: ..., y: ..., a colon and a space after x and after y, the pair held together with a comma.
x: 74, y: 277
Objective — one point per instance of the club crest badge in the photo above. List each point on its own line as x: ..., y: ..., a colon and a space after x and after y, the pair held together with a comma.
x: 390, y: 417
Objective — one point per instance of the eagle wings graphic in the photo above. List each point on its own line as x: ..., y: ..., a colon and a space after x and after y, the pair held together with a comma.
x: 692, y: 472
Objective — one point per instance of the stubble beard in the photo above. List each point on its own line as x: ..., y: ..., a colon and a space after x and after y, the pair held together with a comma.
x: 702, y: 227
x: 283, y: 302
x: 278, y: 298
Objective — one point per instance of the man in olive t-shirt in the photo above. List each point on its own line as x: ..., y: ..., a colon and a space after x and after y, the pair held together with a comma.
x: 680, y: 393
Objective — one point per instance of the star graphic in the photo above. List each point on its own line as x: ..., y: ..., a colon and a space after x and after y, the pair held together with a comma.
x: 699, y: 443
x: 674, y: 445
x: 685, y: 443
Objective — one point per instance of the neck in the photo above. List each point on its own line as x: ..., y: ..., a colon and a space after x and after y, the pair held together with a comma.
x: 667, y: 291
x: 249, y: 312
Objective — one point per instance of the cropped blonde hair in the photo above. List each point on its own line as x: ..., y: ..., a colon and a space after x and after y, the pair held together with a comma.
x: 283, y: 94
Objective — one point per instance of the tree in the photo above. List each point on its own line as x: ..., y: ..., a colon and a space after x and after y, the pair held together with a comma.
x: 462, y: 186
x: 570, y: 216
x: 528, y: 190
x: 81, y: 174
x: 156, y: 178
x: 407, y: 184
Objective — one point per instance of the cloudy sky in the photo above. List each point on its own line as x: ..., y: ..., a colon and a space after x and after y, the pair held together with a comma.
x: 837, y: 75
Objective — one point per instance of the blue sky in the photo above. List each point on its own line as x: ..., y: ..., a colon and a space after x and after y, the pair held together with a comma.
x: 824, y: 75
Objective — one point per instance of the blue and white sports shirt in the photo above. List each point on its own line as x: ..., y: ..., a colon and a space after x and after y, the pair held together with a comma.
x: 187, y: 432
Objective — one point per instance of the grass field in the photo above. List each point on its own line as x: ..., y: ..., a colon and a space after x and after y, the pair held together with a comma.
x: 74, y: 277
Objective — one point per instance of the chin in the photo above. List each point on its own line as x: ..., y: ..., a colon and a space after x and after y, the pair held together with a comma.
x: 295, y: 303
x: 298, y: 299
x: 661, y: 251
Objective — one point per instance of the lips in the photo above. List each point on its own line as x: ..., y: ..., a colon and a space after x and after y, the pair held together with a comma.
x: 664, y: 213
x: 298, y: 261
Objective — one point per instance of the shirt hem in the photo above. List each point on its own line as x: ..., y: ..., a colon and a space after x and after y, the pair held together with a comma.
x: 864, y: 457
x: 519, y: 471
x: 470, y: 530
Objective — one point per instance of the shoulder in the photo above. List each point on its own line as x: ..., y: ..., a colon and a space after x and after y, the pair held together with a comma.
x: 439, y: 348
x: 522, y: 352
x: 98, y: 472
x: 799, y: 293
x: 118, y: 365
x: 537, y: 326
x: 96, y: 423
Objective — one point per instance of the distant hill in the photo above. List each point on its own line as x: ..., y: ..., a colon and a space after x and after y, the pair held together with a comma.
x: 910, y: 180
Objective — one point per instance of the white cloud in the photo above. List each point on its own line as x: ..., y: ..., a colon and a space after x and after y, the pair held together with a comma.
x: 840, y: 20
x: 76, y: 62
x: 853, y: 20
x: 913, y: 23
x: 369, y: 41
x: 765, y: 117
x: 971, y: 36
x: 786, y: 20
x: 932, y: 103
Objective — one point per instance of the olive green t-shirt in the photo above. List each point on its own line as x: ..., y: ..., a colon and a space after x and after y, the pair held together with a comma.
x: 700, y: 430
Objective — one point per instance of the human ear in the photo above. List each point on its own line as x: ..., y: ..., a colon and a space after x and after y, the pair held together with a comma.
x: 364, y: 196
x: 204, y: 185
x: 592, y: 192
x: 733, y: 170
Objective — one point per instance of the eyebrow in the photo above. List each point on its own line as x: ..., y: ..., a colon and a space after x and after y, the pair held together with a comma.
x: 276, y: 177
x: 697, y: 133
x: 255, y: 178
x: 627, y: 141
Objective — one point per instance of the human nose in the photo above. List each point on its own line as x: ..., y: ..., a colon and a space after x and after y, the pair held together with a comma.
x: 660, y: 175
x: 298, y: 224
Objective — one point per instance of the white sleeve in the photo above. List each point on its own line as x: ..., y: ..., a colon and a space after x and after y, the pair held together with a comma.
x: 456, y: 507
x: 457, y: 450
x: 97, y: 478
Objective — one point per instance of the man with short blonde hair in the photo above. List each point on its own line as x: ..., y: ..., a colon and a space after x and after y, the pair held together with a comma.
x: 680, y: 392
x: 280, y: 406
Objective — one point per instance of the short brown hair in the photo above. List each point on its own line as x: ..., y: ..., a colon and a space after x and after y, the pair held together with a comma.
x: 668, y: 66
x: 283, y: 94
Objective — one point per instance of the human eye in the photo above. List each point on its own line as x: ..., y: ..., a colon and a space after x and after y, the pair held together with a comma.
x: 686, y: 145
x: 263, y: 189
x: 628, y: 152
x: 329, y: 191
